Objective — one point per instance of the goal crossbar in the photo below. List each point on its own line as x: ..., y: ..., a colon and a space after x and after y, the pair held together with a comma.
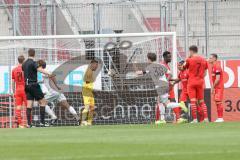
x: 87, y: 36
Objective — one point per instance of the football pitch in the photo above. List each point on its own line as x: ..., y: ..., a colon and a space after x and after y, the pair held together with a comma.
x: 123, y: 142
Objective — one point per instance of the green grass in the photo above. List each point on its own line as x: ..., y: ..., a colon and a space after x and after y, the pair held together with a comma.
x: 124, y: 142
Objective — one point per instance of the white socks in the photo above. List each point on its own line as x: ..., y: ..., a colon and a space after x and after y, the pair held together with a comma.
x: 172, y: 105
x: 162, y: 111
x: 53, y: 116
x: 73, y: 112
x: 50, y: 112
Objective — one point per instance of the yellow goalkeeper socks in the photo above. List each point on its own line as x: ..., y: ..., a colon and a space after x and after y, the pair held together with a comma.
x: 90, y: 117
x: 84, y: 114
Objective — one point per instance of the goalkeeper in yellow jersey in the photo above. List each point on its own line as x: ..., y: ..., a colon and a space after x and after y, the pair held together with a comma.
x: 87, y: 92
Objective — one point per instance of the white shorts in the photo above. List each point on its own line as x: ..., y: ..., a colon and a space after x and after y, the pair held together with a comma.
x: 52, y: 96
x: 163, y: 98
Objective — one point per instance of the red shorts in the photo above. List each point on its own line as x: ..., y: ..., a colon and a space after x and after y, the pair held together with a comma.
x: 20, y: 98
x: 196, y: 91
x: 171, y: 93
x: 184, y: 95
x: 218, y: 95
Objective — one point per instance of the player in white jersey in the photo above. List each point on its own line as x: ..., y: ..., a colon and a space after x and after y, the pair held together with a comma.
x: 53, y: 95
x: 158, y: 74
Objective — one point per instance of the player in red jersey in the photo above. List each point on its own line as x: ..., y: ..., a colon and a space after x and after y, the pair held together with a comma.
x: 183, y: 78
x: 197, y: 67
x: 218, y: 85
x: 19, y: 90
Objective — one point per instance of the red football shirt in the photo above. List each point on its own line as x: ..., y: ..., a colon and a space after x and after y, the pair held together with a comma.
x: 18, y: 77
x: 217, y: 70
x: 196, y: 66
x: 183, y: 76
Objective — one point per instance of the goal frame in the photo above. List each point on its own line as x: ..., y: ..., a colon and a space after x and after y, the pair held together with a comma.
x: 122, y: 35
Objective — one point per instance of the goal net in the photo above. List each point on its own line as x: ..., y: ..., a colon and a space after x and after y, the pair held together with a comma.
x: 121, y: 96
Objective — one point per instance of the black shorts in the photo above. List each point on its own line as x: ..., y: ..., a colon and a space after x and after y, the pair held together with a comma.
x: 34, y: 92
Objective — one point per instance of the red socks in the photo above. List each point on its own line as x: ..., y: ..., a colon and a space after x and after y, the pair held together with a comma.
x: 19, y: 116
x: 177, y: 111
x: 200, y: 113
x: 157, y: 112
x: 220, y: 110
x: 204, y: 108
x: 193, y: 109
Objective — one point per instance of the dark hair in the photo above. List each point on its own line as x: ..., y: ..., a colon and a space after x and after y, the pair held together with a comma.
x: 94, y: 61
x: 181, y: 62
x: 193, y: 48
x: 31, y: 52
x: 214, y: 55
x: 21, y: 59
x: 166, y: 53
x: 42, y: 63
x: 152, y: 56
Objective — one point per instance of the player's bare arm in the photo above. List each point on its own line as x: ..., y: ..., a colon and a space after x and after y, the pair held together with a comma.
x: 141, y: 72
x: 54, y: 80
x: 175, y: 81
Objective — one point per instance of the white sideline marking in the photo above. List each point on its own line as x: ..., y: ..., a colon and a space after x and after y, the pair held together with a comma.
x: 131, y: 155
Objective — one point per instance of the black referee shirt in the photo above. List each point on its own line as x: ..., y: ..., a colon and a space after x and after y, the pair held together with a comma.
x: 30, y: 70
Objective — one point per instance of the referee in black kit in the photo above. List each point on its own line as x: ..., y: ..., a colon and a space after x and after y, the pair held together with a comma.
x: 32, y: 88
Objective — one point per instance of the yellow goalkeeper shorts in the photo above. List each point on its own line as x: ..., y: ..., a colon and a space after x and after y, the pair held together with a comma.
x: 87, y: 92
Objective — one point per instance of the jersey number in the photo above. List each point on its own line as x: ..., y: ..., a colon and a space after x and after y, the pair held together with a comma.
x: 19, y: 76
x: 198, y: 68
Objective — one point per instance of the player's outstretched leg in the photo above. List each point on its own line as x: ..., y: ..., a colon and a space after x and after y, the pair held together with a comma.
x: 183, y: 106
x: 51, y: 113
x: 176, y: 106
x: 65, y: 104
x: 176, y: 109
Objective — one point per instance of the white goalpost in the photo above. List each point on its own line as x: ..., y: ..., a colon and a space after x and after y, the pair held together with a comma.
x: 120, y: 99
